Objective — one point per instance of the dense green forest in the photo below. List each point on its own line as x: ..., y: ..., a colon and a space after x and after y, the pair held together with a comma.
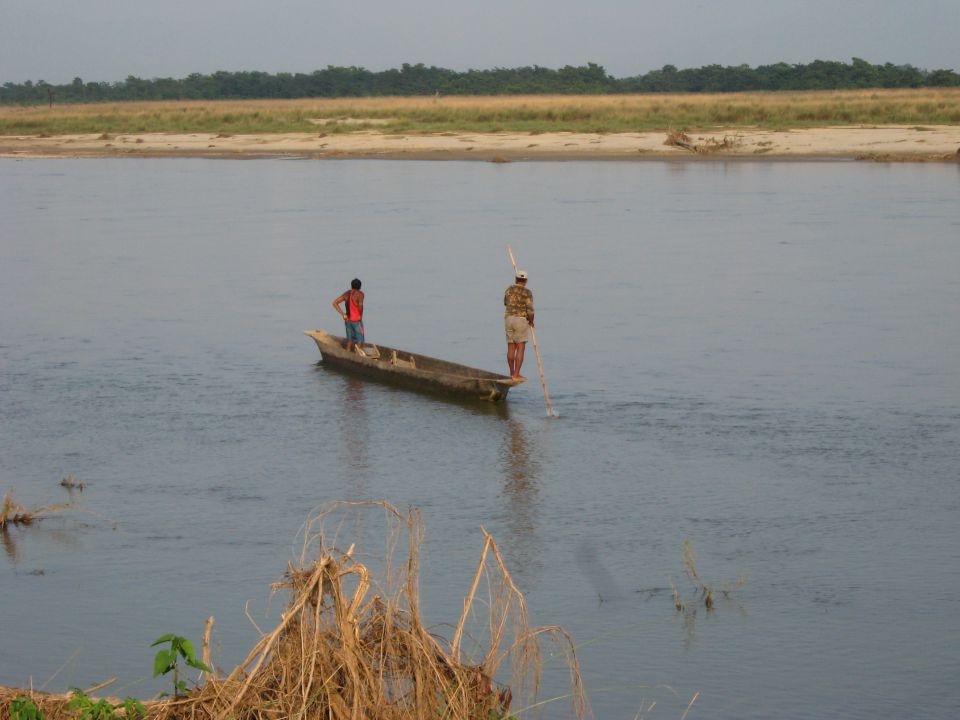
x: 411, y: 80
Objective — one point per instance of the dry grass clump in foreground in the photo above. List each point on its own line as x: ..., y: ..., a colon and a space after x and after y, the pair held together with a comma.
x: 507, y: 113
x: 350, y: 648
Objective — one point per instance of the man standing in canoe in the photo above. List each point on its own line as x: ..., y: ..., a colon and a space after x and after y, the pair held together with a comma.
x: 352, y: 313
x: 517, y: 321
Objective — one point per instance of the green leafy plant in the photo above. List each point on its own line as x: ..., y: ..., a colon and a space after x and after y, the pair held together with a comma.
x: 167, y: 660
x: 133, y: 709
x: 86, y: 709
x: 23, y: 708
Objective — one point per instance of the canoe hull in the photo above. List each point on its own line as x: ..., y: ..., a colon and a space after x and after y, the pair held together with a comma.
x: 412, y: 370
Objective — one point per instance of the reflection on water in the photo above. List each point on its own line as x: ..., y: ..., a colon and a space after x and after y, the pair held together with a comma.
x: 61, y: 539
x: 688, y: 617
x: 520, y: 466
x: 9, y: 544
x: 354, y: 427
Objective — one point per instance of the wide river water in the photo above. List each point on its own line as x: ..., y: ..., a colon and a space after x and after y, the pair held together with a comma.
x: 759, y: 358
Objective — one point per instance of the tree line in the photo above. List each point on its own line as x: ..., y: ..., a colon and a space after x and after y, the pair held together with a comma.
x: 418, y: 80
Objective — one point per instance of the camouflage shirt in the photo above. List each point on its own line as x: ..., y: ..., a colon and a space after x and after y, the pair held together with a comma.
x: 518, y: 301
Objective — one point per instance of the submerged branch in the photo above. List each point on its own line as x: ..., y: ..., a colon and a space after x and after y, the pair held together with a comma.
x: 13, y: 514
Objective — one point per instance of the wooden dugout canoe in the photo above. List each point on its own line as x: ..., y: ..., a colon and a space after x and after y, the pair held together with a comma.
x: 411, y: 370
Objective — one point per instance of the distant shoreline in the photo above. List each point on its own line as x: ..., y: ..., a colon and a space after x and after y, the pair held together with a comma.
x: 885, y: 143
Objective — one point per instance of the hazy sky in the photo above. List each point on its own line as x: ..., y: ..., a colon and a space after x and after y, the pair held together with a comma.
x: 106, y: 40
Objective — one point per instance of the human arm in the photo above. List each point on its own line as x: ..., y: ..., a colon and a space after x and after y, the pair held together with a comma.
x: 336, y: 305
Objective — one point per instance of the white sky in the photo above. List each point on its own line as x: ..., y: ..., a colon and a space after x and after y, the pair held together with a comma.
x: 107, y: 40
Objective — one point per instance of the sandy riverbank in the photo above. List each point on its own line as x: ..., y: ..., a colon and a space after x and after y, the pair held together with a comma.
x: 882, y: 143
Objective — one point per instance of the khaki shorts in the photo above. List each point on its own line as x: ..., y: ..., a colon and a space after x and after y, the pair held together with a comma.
x: 517, y: 328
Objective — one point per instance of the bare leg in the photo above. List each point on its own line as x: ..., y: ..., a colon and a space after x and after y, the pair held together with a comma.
x: 518, y: 361
x: 511, y: 357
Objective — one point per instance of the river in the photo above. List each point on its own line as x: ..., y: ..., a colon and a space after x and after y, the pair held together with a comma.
x: 757, y: 358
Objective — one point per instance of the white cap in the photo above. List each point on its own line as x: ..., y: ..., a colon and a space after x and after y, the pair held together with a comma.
x: 521, y: 275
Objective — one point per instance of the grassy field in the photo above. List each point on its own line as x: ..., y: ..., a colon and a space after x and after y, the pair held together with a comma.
x: 533, y: 114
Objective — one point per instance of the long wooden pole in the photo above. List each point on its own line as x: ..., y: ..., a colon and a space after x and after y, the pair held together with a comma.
x: 543, y: 380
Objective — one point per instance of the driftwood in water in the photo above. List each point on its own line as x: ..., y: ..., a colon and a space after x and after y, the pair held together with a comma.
x: 13, y: 514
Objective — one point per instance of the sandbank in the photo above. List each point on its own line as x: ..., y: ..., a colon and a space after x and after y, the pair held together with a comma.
x: 934, y: 143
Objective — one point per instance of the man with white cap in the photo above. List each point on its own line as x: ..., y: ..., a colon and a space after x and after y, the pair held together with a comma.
x: 517, y: 320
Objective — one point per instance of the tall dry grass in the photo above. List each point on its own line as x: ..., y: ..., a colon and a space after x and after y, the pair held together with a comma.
x: 535, y: 113
x: 350, y: 646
